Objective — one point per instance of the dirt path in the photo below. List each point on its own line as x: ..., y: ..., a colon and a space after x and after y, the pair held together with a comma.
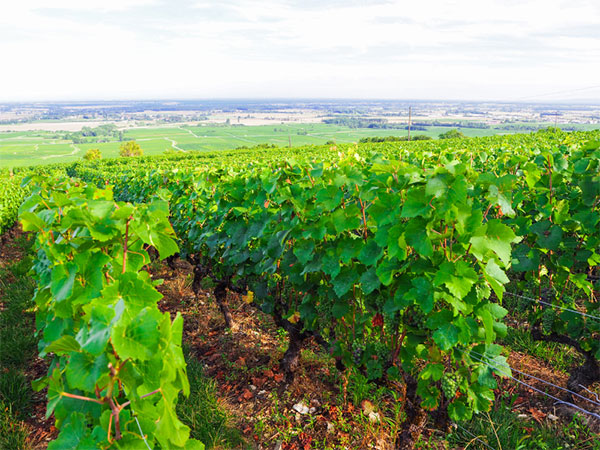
x: 174, y: 144
x: 190, y: 131
x: 74, y: 152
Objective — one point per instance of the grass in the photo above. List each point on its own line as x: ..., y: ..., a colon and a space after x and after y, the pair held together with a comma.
x: 15, y: 391
x: 202, y: 412
x: 13, y: 433
x: 17, y: 348
x: 501, y: 428
x: 561, y: 357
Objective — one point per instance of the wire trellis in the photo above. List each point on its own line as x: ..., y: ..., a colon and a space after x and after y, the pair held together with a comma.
x: 476, y: 438
x: 541, y: 380
x: 558, y: 400
x: 554, y: 306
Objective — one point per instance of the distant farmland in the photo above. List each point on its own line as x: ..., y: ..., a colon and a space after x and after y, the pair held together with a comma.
x: 25, y: 148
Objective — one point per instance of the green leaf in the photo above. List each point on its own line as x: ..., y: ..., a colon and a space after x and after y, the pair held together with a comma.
x: 73, y: 435
x: 416, y: 203
x: 435, y: 187
x: 66, y: 344
x: 164, y: 243
x: 55, y: 390
x: 137, y: 338
x: 369, y: 281
x: 433, y: 371
x: 100, y: 209
x: 446, y: 336
x: 457, y: 194
x: 416, y: 236
x: 340, y: 309
x: 488, y: 324
x: 63, y: 277
x: 330, y: 264
x: 525, y: 259
x: 459, y: 411
x: 551, y: 239
x: 31, y: 222
x: 84, y: 370
x: 344, y: 281
x: 590, y: 189
x: 170, y: 432
x: 458, y: 277
x: 493, y: 237
x: 346, y: 219
x: 370, y: 253
x: 386, y: 270
x: 422, y: 294
x: 496, y: 277
x: 304, y: 250
x: 95, y: 338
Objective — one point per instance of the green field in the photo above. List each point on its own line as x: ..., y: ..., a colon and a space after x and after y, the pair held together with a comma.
x: 43, y: 147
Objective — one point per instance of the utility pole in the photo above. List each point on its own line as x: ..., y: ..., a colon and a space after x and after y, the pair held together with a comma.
x: 409, y: 118
x: 289, y: 139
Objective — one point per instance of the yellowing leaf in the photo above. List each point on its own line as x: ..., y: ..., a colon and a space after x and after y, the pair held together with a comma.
x: 294, y: 317
x: 248, y: 298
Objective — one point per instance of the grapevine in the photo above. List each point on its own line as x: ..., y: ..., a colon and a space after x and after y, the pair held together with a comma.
x: 117, y: 365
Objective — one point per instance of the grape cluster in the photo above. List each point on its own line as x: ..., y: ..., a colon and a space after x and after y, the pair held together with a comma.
x: 357, y: 352
x: 548, y: 318
x: 414, y: 317
x: 449, y: 385
x: 381, y: 350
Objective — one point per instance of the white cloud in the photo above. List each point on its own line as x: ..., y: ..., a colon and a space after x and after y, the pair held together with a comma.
x: 493, y: 49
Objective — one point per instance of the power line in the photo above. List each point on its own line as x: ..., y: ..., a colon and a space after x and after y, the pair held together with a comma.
x: 569, y: 91
x: 554, y: 306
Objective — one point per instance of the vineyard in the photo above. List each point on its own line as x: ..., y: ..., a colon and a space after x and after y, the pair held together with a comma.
x: 455, y: 278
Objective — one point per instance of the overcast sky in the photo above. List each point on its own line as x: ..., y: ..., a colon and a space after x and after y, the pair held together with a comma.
x: 417, y: 49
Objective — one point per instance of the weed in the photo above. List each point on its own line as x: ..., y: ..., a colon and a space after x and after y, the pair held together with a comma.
x: 501, y: 428
x: 207, y: 283
x: 15, y: 391
x: 13, y: 433
x: 359, y: 387
x: 562, y: 357
x: 202, y: 412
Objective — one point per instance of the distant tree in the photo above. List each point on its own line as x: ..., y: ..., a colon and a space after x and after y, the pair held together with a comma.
x: 87, y: 131
x: 130, y: 148
x: 375, y: 139
x: 92, y: 153
x: 451, y: 134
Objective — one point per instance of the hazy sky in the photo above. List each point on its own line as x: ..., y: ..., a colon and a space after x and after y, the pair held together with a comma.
x: 461, y: 49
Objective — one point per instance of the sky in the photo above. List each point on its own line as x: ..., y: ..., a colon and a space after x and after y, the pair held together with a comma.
x: 507, y: 50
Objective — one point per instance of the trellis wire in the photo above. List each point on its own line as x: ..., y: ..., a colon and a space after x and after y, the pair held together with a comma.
x: 140, y: 428
x: 474, y: 437
x: 554, y: 306
x: 542, y: 380
x: 597, y: 416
